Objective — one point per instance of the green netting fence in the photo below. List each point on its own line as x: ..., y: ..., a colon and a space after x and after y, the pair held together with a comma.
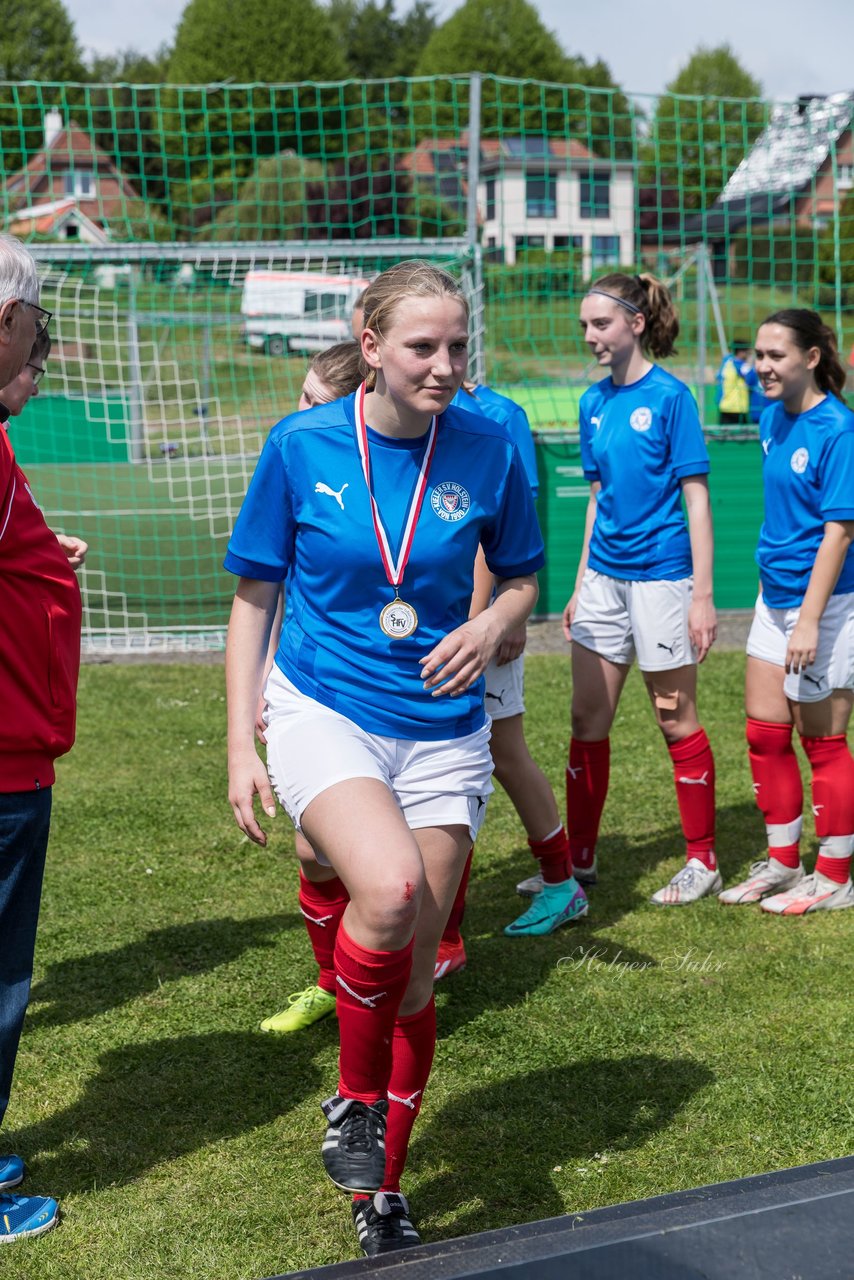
x: 197, y: 242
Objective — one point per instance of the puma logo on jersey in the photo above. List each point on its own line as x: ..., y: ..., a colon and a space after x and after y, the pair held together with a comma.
x: 595, y: 422
x: 668, y: 647
x: 497, y: 697
x: 320, y: 487
x: 697, y: 782
x: 766, y: 445
x: 816, y: 680
x: 816, y: 808
x: 573, y: 773
x: 756, y: 786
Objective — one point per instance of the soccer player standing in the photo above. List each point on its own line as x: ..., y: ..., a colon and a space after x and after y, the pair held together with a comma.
x: 800, y: 663
x: 644, y: 583
x: 377, y: 739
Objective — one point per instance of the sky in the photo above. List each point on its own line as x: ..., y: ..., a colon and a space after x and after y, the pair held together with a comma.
x: 791, y: 47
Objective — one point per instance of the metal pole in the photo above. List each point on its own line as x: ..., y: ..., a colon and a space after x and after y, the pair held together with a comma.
x: 702, y: 280
x: 136, y: 402
x: 478, y: 363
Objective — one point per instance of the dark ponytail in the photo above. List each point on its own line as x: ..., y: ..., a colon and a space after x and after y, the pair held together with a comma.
x: 809, y: 330
x: 647, y: 295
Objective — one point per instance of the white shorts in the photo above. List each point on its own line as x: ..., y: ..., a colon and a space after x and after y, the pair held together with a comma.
x: 834, y: 661
x: 505, y: 688
x: 620, y: 620
x: 311, y: 747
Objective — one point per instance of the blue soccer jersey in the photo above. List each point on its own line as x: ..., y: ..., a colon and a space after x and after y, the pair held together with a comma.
x: 307, y: 516
x: 808, y: 476
x: 639, y: 441
x: 515, y: 419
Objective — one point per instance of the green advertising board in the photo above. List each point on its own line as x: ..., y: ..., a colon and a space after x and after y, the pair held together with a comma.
x: 735, y: 483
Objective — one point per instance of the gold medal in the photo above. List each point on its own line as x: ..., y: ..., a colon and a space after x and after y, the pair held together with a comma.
x: 398, y: 619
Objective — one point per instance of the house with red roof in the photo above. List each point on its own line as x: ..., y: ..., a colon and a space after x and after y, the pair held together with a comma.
x: 536, y: 193
x: 69, y: 189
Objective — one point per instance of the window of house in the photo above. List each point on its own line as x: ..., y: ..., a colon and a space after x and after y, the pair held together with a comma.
x: 490, y: 199
x: 575, y: 243
x: 540, y: 195
x: 595, y: 194
x: 605, y: 251
x: 845, y: 176
x: 524, y: 244
x: 79, y: 182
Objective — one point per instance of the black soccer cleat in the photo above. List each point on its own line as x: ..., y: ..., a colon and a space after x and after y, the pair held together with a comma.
x: 383, y: 1223
x: 354, y: 1146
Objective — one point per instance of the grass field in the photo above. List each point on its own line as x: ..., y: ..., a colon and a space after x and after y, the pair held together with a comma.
x: 640, y: 1052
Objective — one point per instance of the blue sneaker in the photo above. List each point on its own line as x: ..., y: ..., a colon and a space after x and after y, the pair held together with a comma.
x: 554, y: 905
x: 22, y: 1216
x: 11, y: 1172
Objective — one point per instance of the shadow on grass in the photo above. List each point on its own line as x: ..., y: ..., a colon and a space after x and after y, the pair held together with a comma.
x: 87, y: 985
x: 503, y: 971
x: 505, y: 1141
x: 156, y: 1102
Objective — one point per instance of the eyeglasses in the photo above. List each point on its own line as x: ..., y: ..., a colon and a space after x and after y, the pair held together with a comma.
x: 37, y: 374
x: 44, y: 317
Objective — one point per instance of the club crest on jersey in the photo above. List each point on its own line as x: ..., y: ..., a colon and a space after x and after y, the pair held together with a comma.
x: 450, y: 501
x: 641, y: 419
x: 800, y: 461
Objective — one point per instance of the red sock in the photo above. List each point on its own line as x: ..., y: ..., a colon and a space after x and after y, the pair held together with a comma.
x: 586, y: 788
x: 370, y: 988
x: 458, y: 910
x: 412, y: 1057
x: 778, y: 787
x: 322, y: 904
x: 832, y: 803
x: 694, y: 775
x: 553, y: 856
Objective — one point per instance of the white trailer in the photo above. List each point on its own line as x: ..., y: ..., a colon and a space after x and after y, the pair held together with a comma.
x: 297, y: 310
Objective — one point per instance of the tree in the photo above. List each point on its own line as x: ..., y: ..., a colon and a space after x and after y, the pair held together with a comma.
x: 255, y: 41
x: 272, y: 203
x: 120, y: 109
x: 37, y: 42
x: 497, y: 37
x: 506, y: 38
x: 247, y: 98
x: 360, y: 197
x: 703, y: 126
x: 375, y: 43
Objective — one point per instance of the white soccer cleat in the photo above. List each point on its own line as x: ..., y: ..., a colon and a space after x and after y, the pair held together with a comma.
x: 812, y: 893
x: 691, y: 882
x: 766, y: 876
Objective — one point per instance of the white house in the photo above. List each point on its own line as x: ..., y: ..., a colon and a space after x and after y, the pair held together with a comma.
x: 550, y: 193
x: 536, y: 193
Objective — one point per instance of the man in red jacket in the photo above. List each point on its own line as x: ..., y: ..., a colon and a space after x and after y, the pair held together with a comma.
x: 39, y: 659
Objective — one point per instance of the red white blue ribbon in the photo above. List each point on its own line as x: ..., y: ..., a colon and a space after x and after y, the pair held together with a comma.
x: 394, y: 568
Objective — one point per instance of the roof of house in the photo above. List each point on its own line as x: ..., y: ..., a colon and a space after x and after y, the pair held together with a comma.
x: 70, y: 148
x: 48, y: 219
x: 792, y: 148
x: 444, y: 155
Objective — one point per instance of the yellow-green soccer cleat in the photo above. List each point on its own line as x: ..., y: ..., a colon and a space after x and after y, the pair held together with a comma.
x: 304, y: 1008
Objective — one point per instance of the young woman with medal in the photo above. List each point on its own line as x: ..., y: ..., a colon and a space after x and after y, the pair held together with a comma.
x: 373, y: 507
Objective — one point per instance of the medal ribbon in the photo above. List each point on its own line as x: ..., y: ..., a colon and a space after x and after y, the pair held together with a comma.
x: 394, y: 569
